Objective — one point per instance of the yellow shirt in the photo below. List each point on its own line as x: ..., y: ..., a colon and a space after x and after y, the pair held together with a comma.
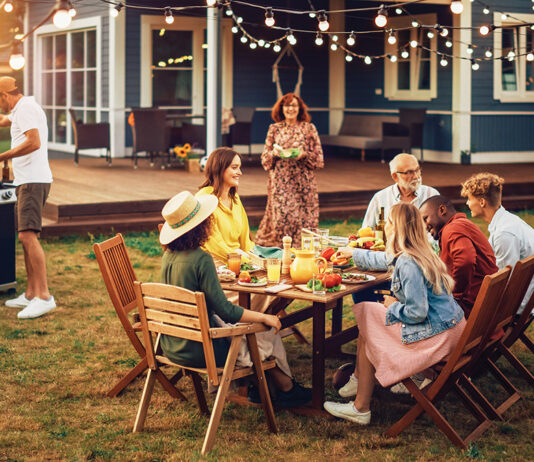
x: 230, y: 229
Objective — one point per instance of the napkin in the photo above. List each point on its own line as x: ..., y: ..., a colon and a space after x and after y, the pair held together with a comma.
x: 267, y: 252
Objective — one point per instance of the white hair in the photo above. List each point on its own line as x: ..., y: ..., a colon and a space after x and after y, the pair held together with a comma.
x: 393, y: 163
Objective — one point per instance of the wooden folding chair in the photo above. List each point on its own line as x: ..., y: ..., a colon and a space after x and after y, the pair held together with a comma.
x: 180, y: 313
x: 451, y: 371
x: 119, y: 276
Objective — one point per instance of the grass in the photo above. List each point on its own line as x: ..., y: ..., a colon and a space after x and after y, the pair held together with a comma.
x: 56, y: 370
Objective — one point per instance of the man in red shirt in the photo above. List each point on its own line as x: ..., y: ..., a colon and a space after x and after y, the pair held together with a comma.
x: 464, y: 248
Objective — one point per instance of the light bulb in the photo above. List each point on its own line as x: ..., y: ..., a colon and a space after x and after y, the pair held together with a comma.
x: 405, y: 54
x: 324, y: 25
x: 16, y: 60
x: 211, y: 2
x: 469, y: 50
x: 333, y: 46
x: 291, y: 38
x: 367, y: 60
x: 267, y: 45
x: 398, y: 10
x: 448, y: 44
x: 488, y: 53
x: 319, y: 40
x: 239, y: 20
x: 169, y: 18
x: 72, y: 12
x: 511, y: 55
x: 475, y: 66
x: 348, y: 58
x: 277, y: 47
x: 351, y: 40
x: 261, y: 43
x: 484, y: 30
x: 486, y: 10
x: 114, y: 12
x: 62, y: 18
x: 335, y: 38
x: 243, y: 39
x: 253, y: 45
x: 235, y: 29
x: 8, y: 8
x: 312, y: 14
x: 415, y: 23
x: 382, y: 17
x: 530, y: 56
x: 392, y: 58
x: 229, y: 11
x: 457, y: 6
x: 504, y: 16
x: 414, y: 43
x: 444, y: 32
x: 430, y: 34
x: 444, y: 62
x: 269, y: 17
x: 392, y: 40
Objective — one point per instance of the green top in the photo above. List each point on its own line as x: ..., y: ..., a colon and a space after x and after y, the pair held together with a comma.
x: 194, y: 270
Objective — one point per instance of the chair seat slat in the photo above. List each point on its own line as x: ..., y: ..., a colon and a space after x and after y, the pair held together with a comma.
x: 171, y: 318
x: 175, y: 331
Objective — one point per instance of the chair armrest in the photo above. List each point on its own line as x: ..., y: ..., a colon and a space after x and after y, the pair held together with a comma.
x: 241, y: 329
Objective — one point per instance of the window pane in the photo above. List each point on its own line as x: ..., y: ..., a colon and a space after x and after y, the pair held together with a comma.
x: 77, y: 49
x: 90, y: 117
x: 424, y: 76
x: 49, y: 119
x: 77, y: 88
x: 529, y: 84
x: 91, y: 48
x: 48, y: 89
x: 61, y: 51
x: 48, y: 52
x: 91, y: 88
x: 172, y: 87
x: 403, y: 39
x: 425, y: 41
x: 61, y: 127
x: 403, y: 75
x: 509, y: 77
x: 174, y: 48
x: 61, y: 87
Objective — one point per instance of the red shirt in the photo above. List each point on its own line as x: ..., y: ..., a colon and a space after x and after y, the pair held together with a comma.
x: 468, y: 256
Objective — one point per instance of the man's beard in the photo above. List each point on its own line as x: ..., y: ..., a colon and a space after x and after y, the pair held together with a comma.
x: 411, y: 186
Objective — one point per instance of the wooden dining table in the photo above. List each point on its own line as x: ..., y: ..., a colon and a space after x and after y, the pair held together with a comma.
x: 322, y: 345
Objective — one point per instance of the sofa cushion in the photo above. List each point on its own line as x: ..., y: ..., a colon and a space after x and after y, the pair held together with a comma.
x: 365, y: 125
x: 355, y: 142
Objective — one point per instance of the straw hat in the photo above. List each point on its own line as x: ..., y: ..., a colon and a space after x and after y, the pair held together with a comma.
x: 183, y: 212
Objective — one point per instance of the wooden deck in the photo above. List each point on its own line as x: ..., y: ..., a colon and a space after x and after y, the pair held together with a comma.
x: 93, y: 197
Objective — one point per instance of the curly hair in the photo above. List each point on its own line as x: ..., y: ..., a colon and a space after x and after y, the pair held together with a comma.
x: 192, y: 239
x: 484, y: 185
x: 278, y: 114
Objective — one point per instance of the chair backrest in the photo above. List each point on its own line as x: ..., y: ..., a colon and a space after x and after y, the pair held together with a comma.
x: 150, y: 132
x: 480, y: 320
x: 177, y: 312
x: 369, y: 126
x: 243, y: 113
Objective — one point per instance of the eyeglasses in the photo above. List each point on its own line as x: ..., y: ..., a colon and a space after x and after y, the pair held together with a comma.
x: 417, y: 171
x: 291, y: 105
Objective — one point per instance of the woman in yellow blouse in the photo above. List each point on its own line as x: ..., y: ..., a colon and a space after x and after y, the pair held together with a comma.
x: 230, y: 229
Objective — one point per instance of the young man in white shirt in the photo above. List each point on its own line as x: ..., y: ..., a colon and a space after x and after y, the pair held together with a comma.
x: 406, y: 174
x: 29, y: 154
x: 510, y: 237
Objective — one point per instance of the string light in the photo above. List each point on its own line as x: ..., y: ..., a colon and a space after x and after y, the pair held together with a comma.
x: 72, y: 11
x: 415, y: 23
x: 444, y: 32
x: 475, y: 66
x: 291, y: 38
x: 333, y: 46
x: 62, y: 18
x: 269, y: 17
x: 319, y: 39
x: 511, y: 55
x: 114, y: 12
x: 8, y: 7
x: 367, y: 60
x: 267, y: 45
x: 235, y: 29
x: 324, y: 25
x: 430, y: 34
x: 229, y: 11
x: 348, y: 58
x: 277, y: 47
x: 352, y: 39
x: 405, y: 54
x: 488, y: 53
x: 239, y: 20
x: 392, y: 58
x: 469, y: 50
x: 16, y: 60
x: 443, y: 62
x: 211, y: 3
x: 382, y: 17
x: 392, y: 40
x: 253, y: 45
x: 244, y: 39
x: 169, y: 18
x: 485, y: 30
x: 448, y: 44
x: 530, y: 56
x: 414, y: 43
x: 261, y: 43
x: 398, y: 10
x: 457, y: 6
x: 335, y: 38
x: 486, y: 10
x: 504, y: 16
x: 312, y: 14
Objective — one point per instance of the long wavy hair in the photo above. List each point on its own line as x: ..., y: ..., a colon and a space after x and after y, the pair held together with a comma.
x: 218, y: 161
x: 277, y: 112
x: 408, y: 235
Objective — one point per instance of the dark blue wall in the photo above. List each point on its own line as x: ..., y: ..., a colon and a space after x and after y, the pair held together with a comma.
x: 502, y: 133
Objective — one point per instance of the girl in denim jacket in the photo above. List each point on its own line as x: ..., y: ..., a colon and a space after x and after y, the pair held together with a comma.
x: 409, y: 332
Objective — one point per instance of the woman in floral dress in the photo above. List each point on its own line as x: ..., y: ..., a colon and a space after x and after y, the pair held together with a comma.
x: 293, y: 200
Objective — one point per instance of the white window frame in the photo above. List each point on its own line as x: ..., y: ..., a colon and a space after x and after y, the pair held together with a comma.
x: 520, y: 95
x: 391, y: 90
x: 78, y: 25
x: 197, y: 26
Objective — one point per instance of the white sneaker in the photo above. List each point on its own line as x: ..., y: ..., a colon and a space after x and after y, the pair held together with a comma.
x: 347, y: 411
x: 37, y: 307
x: 20, y: 302
x: 350, y: 388
x: 400, y: 388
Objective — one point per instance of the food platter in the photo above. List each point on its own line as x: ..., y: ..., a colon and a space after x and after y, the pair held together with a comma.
x: 260, y: 283
x: 225, y: 275
x: 252, y: 268
x: 356, y: 278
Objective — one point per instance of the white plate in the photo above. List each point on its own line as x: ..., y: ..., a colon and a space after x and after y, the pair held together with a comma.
x: 253, y: 270
x: 341, y: 241
x: 252, y: 284
x: 305, y: 288
x: 359, y: 281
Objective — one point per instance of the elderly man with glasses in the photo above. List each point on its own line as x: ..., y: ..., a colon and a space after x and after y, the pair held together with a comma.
x: 406, y: 174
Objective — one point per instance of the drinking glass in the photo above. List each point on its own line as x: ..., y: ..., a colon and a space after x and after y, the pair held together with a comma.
x: 324, y: 233
x: 315, y: 291
x: 273, y: 269
x: 234, y: 263
x: 307, y: 241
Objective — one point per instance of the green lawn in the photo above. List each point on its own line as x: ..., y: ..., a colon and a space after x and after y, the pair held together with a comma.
x: 56, y: 370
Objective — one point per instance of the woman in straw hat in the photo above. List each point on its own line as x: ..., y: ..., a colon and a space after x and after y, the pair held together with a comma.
x: 187, y: 226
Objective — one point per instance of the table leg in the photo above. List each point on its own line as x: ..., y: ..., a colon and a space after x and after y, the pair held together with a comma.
x: 318, y: 355
x: 337, y: 317
x: 244, y: 300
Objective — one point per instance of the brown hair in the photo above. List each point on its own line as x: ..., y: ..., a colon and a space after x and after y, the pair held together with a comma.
x: 278, y: 114
x: 409, y: 237
x: 218, y: 161
x: 485, y: 185
x: 194, y: 238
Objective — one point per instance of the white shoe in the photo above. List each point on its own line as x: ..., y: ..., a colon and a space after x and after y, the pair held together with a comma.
x: 20, y: 302
x: 37, y: 307
x: 347, y: 411
x: 400, y: 388
x: 350, y: 388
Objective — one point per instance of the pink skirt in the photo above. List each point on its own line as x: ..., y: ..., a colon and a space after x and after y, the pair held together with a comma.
x: 392, y: 359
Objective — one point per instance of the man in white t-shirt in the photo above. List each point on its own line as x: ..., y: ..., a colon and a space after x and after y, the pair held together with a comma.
x: 406, y: 174
x: 29, y: 154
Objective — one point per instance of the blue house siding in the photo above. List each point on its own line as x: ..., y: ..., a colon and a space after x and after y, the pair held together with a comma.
x: 502, y: 133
